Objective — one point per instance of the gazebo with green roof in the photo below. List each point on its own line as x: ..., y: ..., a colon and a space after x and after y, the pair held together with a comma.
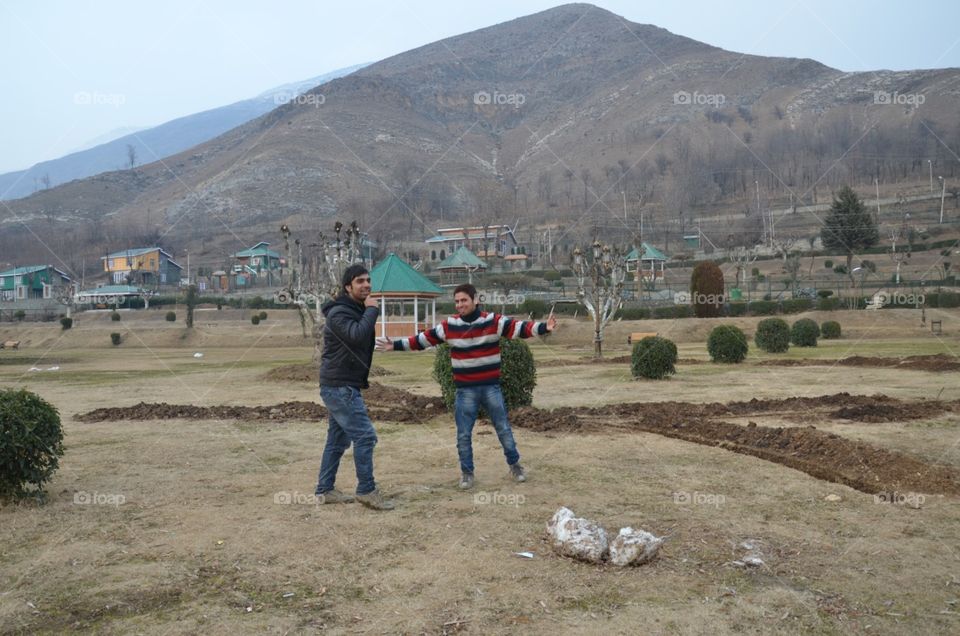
x: 647, y: 264
x: 399, y: 286
x: 460, y: 262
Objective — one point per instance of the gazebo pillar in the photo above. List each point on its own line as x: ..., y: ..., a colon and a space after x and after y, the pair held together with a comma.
x: 383, y: 316
x: 416, y: 314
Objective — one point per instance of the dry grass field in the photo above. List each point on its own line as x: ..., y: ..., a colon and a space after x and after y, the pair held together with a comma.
x: 206, y: 525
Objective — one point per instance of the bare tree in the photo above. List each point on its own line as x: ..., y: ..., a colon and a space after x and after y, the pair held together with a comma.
x: 605, y: 270
x: 131, y: 156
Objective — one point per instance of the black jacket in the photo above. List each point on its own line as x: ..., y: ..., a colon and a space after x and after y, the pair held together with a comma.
x: 348, y: 342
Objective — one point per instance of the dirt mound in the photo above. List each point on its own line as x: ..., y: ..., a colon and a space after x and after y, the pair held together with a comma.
x: 937, y: 362
x: 823, y: 455
x: 309, y: 373
x: 383, y: 402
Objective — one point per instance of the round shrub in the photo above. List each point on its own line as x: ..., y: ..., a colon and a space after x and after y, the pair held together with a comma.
x: 66, y: 323
x: 115, y: 338
x: 171, y: 316
x: 518, y: 374
x: 828, y: 264
x: 115, y: 316
x: 727, y: 344
x: 773, y: 335
x: 804, y: 333
x: 653, y: 358
x: 706, y: 290
x: 263, y: 315
x: 830, y: 330
x: 20, y: 315
x: 255, y: 319
x: 824, y: 293
x: 31, y: 442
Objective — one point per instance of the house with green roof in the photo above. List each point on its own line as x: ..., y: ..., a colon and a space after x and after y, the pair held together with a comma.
x: 258, y: 261
x: 460, y: 266
x: 31, y: 282
x: 408, y: 299
x: 650, y: 265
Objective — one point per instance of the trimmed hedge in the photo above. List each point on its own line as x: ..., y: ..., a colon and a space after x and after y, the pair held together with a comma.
x: 727, y: 344
x: 830, y: 330
x: 31, y: 443
x: 653, y: 358
x: 115, y: 338
x: 255, y: 319
x: 829, y: 304
x: 804, y: 333
x: 673, y: 311
x: 773, y: 335
x: 518, y: 374
x: 66, y: 323
x: 114, y: 316
x: 796, y: 305
x: 171, y: 316
x: 737, y: 309
x: 763, y: 307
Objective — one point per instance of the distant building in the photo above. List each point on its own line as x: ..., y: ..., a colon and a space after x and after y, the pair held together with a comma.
x: 142, y: 266
x: 486, y: 241
x: 31, y: 282
x: 460, y: 267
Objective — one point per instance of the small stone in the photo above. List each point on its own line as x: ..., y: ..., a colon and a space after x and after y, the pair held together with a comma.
x: 833, y: 497
x: 633, y: 547
x: 578, y: 538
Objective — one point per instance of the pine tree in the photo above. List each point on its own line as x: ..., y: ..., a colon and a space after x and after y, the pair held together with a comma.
x: 849, y: 228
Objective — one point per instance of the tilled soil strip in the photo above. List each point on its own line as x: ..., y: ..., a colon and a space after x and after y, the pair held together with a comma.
x: 822, y: 455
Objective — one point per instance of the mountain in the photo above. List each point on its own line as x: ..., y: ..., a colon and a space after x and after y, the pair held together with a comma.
x: 153, y: 143
x: 570, y: 116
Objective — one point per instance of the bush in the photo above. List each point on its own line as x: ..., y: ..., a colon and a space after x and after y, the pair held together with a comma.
x: 171, y: 316
x: 66, y: 323
x: 727, y: 344
x: 706, y: 290
x: 828, y: 304
x: 828, y: 264
x: 796, y: 305
x: 256, y: 303
x: 551, y: 275
x: 518, y: 374
x: 115, y: 316
x: 255, y: 319
x: 634, y: 313
x: 830, y: 330
x: 263, y: 315
x: 653, y: 358
x: 763, y: 307
x: 840, y: 269
x: 737, y: 309
x: 824, y: 293
x: 673, y: 311
x: 773, y: 335
x: 533, y: 307
x: 804, y: 333
x: 115, y: 338
x: 20, y: 315
x: 31, y: 442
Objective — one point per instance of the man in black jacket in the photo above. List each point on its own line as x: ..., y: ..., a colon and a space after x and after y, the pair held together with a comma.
x: 348, y: 342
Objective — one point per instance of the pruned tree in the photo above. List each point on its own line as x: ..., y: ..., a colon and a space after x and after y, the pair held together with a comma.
x: 131, y: 155
x: 310, y: 284
x: 849, y: 228
x: 600, y: 276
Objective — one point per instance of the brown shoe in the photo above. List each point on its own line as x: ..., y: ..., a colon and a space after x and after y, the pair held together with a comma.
x: 376, y: 501
x: 334, y: 496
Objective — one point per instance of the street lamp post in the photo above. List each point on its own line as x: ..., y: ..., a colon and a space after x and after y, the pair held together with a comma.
x: 943, y: 194
x: 930, y: 164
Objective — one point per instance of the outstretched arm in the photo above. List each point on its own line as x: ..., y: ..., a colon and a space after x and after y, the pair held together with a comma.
x: 423, y: 340
x: 512, y: 328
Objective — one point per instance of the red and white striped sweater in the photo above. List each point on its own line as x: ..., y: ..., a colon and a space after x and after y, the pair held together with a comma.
x: 474, y: 343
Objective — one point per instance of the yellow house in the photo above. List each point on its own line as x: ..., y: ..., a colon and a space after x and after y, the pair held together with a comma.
x: 142, y: 265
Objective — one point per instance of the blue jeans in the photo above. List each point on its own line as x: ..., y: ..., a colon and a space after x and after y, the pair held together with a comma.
x: 349, y: 422
x: 467, y: 405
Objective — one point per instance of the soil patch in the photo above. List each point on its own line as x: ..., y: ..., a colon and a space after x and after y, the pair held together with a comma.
x: 936, y: 363
x: 309, y: 373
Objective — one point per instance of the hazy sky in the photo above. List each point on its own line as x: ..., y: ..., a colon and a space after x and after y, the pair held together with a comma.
x: 143, y: 63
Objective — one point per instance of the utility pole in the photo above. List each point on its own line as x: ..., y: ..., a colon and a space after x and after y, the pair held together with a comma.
x: 877, y: 183
x: 930, y: 163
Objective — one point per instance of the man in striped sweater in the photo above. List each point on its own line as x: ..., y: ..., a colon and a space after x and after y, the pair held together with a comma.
x: 474, y: 339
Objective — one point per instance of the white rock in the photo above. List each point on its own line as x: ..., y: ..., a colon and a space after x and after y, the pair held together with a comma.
x: 633, y: 547
x: 578, y: 538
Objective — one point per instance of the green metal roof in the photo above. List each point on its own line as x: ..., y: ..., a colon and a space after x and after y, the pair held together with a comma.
x: 650, y: 253
x: 261, y: 248
x: 393, y: 275
x: 20, y: 271
x: 462, y: 258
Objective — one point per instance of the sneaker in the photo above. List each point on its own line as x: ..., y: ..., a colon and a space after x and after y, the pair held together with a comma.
x: 334, y: 496
x: 466, y: 481
x: 516, y: 470
x: 376, y: 501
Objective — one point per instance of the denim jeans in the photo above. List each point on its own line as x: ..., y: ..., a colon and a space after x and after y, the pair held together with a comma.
x: 467, y: 405
x: 349, y: 422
